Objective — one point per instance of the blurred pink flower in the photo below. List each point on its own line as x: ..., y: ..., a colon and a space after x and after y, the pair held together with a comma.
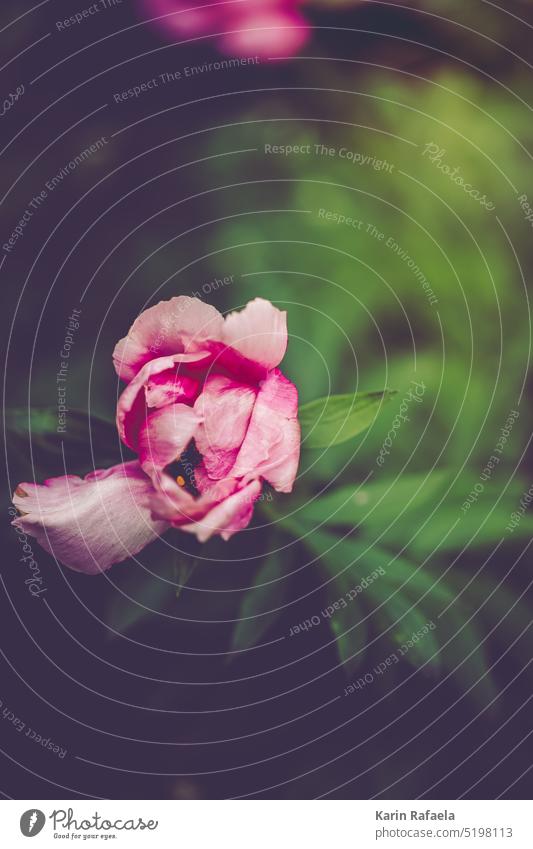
x: 262, y: 28
x: 210, y: 417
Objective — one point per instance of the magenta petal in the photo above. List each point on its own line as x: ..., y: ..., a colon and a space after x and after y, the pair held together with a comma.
x: 170, y: 327
x: 258, y: 332
x: 131, y: 407
x: 229, y: 516
x: 90, y: 524
x: 170, y: 388
x: 271, y: 448
x: 165, y: 435
x: 225, y: 407
x: 228, y: 361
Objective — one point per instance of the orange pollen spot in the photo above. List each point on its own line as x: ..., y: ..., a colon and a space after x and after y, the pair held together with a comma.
x: 180, y: 480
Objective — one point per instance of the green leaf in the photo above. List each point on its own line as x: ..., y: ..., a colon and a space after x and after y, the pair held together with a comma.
x: 397, y: 610
x: 38, y: 431
x: 336, y: 418
x: 343, y: 561
x: 140, y: 593
x: 261, y: 605
x: 498, y: 605
x: 414, y: 511
x: 410, y: 623
x: 187, y: 554
x: 376, y: 503
x: 346, y: 624
x: 403, y: 600
x: 483, y: 524
x: 455, y: 644
x: 183, y: 570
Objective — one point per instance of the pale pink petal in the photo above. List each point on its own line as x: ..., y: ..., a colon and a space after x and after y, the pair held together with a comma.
x: 211, y: 490
x: 225, y: 407
x: 164, y: 436
x: 229, y: 516
x: 281, y: 467
x: 131, y: 408
x: 177, y: 326
x: 90, y: 524
x: 258, y: 332
x: 271, y: 448
x: 171, y: 502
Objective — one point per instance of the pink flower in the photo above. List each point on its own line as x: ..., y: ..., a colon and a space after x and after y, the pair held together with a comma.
x: 263, y: 28
x: 210, y: 417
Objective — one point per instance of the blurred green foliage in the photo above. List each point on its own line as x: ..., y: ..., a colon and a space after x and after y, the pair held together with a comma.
x: 358, y: 315
x: 359, y: 318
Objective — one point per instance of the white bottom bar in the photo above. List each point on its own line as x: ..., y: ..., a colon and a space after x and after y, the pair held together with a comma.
x: 267, y: 824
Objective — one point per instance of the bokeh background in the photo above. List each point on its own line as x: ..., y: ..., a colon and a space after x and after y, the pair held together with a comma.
x: 158, y: 690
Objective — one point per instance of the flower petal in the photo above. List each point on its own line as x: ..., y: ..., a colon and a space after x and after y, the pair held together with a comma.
x: 168, y: 387
x: 180, y: 18
x: 271, y: 448
x: 229, y: 516
x: 131, y: 407
x: 165, y: 435
x: 271, y: 33
x: 225, y: 407
x: 177, y: 326
x: 174, y: 504
x: 90, y: 524
x: 258, y: 332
